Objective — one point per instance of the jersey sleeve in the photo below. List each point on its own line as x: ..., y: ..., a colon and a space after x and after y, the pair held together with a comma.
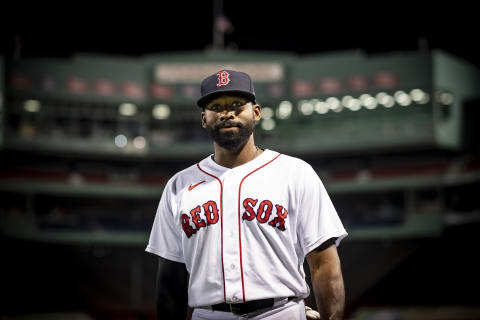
x: 165, y: 237
x: 318, y: 220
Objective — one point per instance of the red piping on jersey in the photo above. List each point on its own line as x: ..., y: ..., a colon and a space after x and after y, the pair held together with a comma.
x: 221, y: 224
x: 239, y: 229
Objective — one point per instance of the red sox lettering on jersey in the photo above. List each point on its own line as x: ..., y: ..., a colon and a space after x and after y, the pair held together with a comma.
x: 243, y: 233
x: 210, y: 211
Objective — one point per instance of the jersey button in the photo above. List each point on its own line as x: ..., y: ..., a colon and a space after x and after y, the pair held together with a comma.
x: 232, y: 266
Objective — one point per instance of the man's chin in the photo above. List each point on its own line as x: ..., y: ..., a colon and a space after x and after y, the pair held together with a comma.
x: 231, y: 138
x: 230, y: 144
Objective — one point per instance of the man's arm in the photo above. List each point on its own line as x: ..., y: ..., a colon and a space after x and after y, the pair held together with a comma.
x: 189, y: 309
x: 327, y: 280
x: 171, y: 290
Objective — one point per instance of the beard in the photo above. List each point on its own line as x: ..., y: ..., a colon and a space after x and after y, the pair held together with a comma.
x: 231, y: 139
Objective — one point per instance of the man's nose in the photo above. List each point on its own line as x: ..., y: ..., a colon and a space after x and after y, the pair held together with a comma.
x: 227, y: 113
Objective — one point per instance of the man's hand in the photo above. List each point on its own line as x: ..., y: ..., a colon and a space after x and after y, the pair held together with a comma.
x: 311, y: 314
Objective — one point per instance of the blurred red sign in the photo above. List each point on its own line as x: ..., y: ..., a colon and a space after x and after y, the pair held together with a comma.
x: 133, y: 90
x: 386, y: 79
x: 20, y: 81
x: 77, y: 85
x: 276, y: 90
x: 48, y: 83
x: 105, y: 87
x: 190, y: 91
x: 302, y: 88
x: 162, y: 91
x: 330, y: 85
x: 358, y: 83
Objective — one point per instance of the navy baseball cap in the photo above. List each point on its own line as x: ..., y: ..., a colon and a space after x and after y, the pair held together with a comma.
x: 224, y: 82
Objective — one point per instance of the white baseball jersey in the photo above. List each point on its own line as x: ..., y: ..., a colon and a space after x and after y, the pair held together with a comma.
x: 243, y: 233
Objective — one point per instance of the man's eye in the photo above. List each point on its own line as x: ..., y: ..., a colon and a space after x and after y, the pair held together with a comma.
x: 237, y: 104
x: 215, y: 107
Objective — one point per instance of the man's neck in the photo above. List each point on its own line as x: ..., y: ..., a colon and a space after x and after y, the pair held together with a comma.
x: 236, y: 157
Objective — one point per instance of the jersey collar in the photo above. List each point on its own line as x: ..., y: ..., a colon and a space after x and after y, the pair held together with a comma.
x: 265, y: 156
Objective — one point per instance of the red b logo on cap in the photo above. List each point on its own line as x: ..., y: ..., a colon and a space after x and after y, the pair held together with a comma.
x: 223, y: 78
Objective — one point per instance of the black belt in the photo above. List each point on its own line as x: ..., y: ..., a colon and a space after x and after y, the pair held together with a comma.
x: 247, y: 307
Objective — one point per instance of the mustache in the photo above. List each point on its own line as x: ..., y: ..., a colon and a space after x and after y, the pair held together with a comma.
x: 227, y: 124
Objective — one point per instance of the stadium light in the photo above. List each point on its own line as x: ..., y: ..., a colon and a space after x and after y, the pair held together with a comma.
x: 446, y: 98
x: 139, y: 142
x: 417, y: 95
x: 161, y: 111
x: 121, y: 141
x: 267, y: 113
x: 346, y: 101
x: 425, y: 99
x: 354, y: 104
x: 31, y: 106
x: 321, y: 107
x: 306, y: 107
x: 268, y: 124
x: 402, y: 98
x: 284, y: 110
x: 386, y: 100
x: 127, y: 109
x: 333, y: 103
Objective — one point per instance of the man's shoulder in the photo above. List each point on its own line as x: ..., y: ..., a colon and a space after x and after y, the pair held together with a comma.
x: 184, y: 177
x: 293, y: 161
x: 185, y: 172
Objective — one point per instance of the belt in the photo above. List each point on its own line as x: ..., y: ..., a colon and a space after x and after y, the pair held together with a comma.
x: 249, y: 306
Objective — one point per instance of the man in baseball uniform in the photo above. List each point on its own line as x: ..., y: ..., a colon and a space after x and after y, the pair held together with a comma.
x: 244, y: 219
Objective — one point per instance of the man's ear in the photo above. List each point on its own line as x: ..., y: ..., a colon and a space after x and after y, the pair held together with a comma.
x: 257, y: 113
x: 204, y: 121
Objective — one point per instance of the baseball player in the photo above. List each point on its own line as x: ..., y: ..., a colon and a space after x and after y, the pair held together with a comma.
x: 244, y: 219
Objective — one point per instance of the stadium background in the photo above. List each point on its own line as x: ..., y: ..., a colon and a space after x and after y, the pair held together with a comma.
x: 98, y: 112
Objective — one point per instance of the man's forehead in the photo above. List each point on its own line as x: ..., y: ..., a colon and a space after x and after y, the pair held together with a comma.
x: 226, y: 98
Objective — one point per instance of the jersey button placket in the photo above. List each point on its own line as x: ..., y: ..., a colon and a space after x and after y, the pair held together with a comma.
x: 231, y: 255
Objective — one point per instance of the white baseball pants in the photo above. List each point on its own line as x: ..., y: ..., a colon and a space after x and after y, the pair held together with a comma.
x: 292, y: 310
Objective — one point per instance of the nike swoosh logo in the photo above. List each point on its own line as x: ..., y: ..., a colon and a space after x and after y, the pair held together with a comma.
x: 190, y: 187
